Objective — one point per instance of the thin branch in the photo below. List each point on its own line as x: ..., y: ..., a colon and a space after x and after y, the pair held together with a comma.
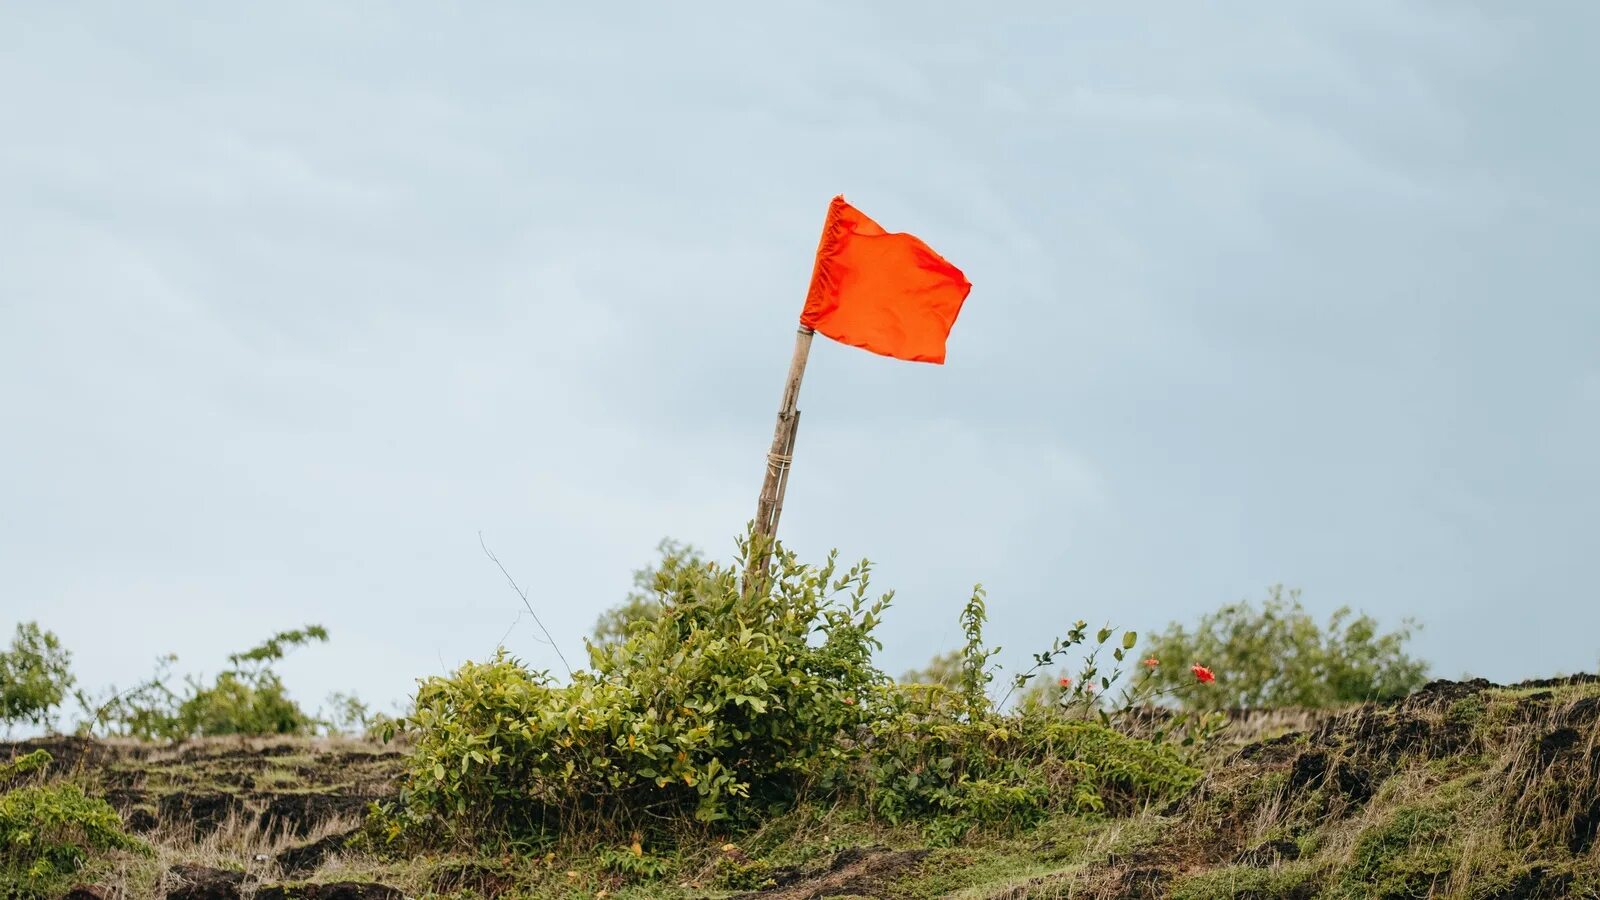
x: 524, y: 595
x: 510, y: 628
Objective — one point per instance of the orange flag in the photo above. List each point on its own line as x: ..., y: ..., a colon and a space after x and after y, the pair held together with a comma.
x: 888, y: 293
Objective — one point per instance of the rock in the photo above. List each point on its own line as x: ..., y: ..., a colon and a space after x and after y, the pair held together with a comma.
x: 203, y: 883
x: 87, y: 892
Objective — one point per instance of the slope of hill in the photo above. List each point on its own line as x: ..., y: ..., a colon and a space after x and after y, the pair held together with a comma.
x: 1463, y: 790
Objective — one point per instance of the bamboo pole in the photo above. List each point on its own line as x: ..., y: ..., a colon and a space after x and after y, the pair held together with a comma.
x: 779, y: 458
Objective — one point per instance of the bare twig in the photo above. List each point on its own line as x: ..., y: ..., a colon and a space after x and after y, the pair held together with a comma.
x: 524, y: 595
x: 510, y: 628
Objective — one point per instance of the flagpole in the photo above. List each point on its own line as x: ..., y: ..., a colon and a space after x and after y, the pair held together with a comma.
x: 779, y: 459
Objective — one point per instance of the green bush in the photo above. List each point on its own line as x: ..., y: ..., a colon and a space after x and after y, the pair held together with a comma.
x: 247, y: 698
x: 237, y: 703
x: 35, y: 676
x: 1009, y: 771
x: 943, y: 670
x: 26, y: 764
x: 1278, y: 655
x: 729, y: 700
x: 945, y: 754
x: 733, y: 703
x: 644, y: 601
x: 48, y: 831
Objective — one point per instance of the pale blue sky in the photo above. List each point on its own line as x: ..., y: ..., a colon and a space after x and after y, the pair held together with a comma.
x: 295, y: 300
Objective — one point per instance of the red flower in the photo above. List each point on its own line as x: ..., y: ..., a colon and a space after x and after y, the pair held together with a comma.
x: 1202, y: 673
x: 849, y: 701
x: 1066, y: 682
x: 1151, y: 663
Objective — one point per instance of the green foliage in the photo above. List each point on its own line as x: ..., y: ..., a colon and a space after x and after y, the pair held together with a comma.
x: 146, y: 710
x: 976, y: 672
x: 248, y: 698
x: 26, y: 764
x: 949, y: 758
x: 258, y: 658
x: 1085, y: 693
x: 931, y: 763
x: 1406, y: 855
x: 644, y: 602
x: 240, y: 704
x: 732, y: 702
x: 48, y: 831
x: 1277, y: 655
x: 35, y: 676
x: 740, y: 873
x: 346, y: 714
x: 729, y: 700
x: 1088, y: 694
x: 944, y: 670
x: 633, y: 861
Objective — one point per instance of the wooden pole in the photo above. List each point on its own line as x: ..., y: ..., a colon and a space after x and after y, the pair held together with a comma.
x: 779, y: 459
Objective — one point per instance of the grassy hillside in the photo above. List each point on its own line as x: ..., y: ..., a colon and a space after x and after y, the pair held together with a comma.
x: 1463, y: 790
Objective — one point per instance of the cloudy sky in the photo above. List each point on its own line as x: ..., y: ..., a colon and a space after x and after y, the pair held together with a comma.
x: 297, y: 300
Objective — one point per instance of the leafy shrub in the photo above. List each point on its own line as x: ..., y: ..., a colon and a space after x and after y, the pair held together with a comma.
x: 347, y: 714
x: 943, y: 670
x: 1010, y: 771
x: 35, y: 676
x: 1277, y: 655
x: 733, y: 701
x: 26, y: 764
x: 968, y: 673
x: 633, y: 861
x: 643, y: 603
x: 948, y: 757
x: 247, y: 698
x: 730, y: 699
x: 48, y: 831
x: 146, y: 711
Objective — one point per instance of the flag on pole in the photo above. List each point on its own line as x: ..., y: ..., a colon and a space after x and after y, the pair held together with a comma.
x: 888, y: 293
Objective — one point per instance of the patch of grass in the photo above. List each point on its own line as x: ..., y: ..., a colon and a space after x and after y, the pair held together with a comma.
x: 1055, y: 854
x: 1467, y: 711
x: 276, y: 779
x: 1407, y: 855
x: 1291, y: 881
x: 1562, y: 692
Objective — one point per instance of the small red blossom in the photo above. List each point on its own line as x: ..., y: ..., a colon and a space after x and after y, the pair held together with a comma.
x: 849, y: 701
x: 1088, y: 687
x: 1066, y: 682
x: 1202, y: 673
x: 1151, y: 663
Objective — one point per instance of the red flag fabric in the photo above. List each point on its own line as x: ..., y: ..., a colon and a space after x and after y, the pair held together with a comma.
x: 888, y: 293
